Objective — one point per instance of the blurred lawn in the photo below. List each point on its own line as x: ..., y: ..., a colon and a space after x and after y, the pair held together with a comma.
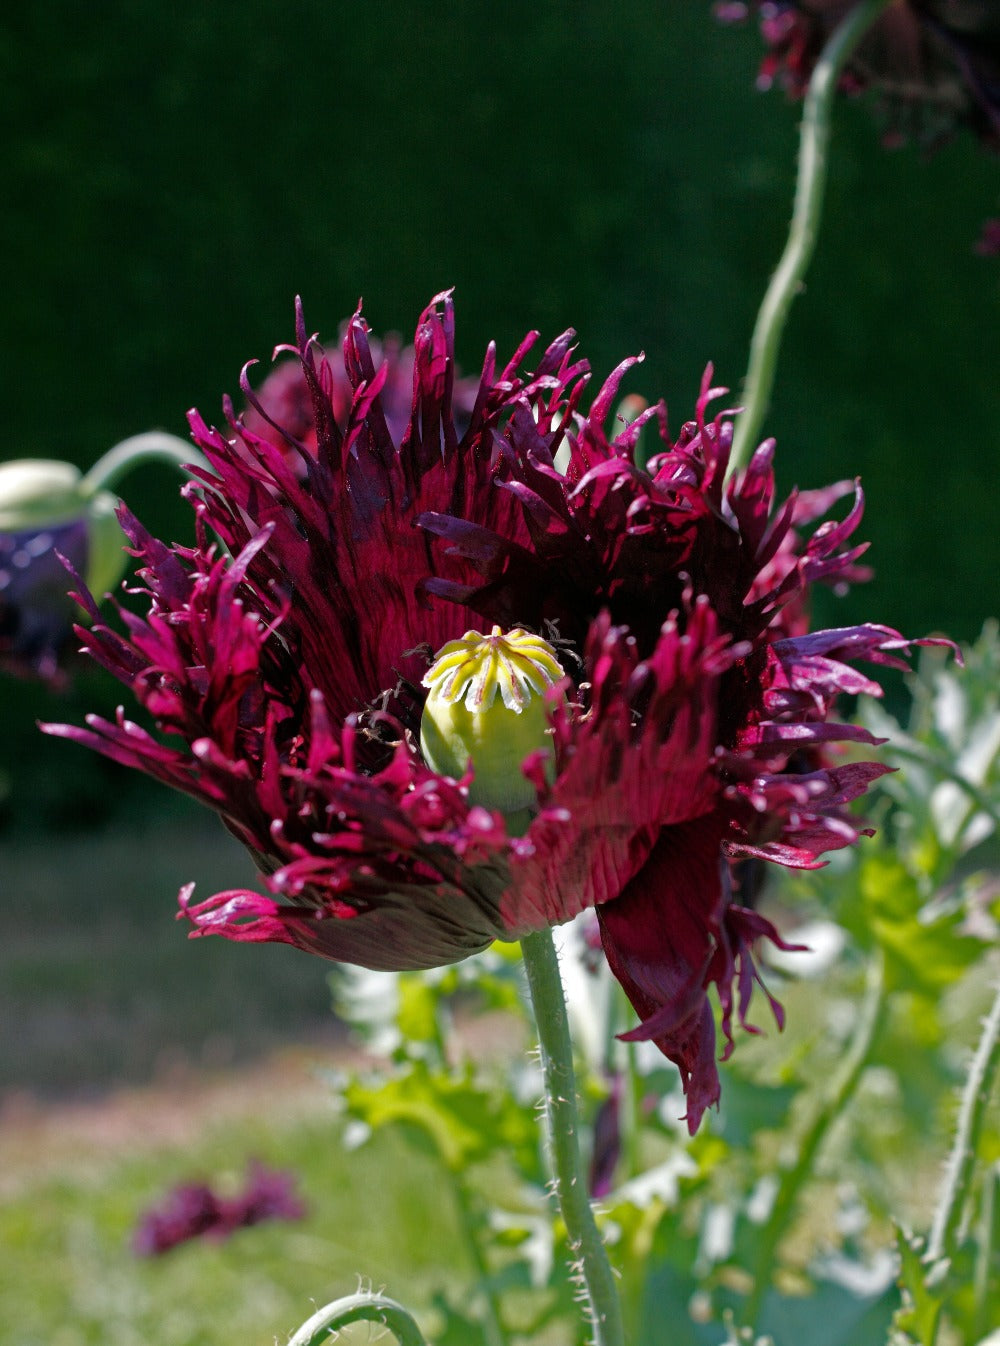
x: 68, y: 1276
x: 98, y: 982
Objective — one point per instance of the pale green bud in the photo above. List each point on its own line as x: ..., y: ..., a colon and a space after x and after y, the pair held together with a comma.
x: 40, y: 493
x: 486, y: 704
x: 37, y: 492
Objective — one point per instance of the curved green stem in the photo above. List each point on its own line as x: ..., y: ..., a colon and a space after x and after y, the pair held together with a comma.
x: 155, y: 446
x: 943, y: 1237
x: 321, y: 1328
x: 809, y: 191
x: 548, y: 1001
x: 796, y: 1174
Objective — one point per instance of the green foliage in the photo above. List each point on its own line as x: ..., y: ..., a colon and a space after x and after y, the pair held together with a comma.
x: 921, y: 1315
x: 777, y: 1222
x: 466, y: 1121
x: 779, y: 1214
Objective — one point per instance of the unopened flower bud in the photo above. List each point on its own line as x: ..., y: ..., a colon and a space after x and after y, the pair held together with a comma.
x: 38, y: 495
x: 48, y: 510
x: 36, y: 492
x: 487, y: 706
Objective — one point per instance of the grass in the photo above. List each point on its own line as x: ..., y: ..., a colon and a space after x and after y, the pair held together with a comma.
x: 98, y: 983
x: 69, y: 1278
x: 134, y: 1060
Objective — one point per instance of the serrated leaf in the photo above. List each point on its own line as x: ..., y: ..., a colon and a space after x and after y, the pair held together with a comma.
x: 921, y: 955
x: 466, y: 1122
x: 921, y: 1309
x: 416, y: 1016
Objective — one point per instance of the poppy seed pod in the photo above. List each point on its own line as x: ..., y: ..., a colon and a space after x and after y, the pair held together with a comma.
x: 486, y: 707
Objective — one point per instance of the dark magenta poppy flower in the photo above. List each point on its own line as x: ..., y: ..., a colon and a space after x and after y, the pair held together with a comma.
x: 988, y: 244
x: 196, y: 1210
x: 283, y: 663
x: 934, y: 63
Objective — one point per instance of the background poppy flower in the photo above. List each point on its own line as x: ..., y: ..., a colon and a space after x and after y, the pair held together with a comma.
x: 935, y: 64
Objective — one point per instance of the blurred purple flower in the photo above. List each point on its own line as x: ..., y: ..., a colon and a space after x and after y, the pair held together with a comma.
x: 989, y: 239
x: 46, y: 513
x: 283, y: 675
x: 195, y: 1210
x: 36, y: 612
x: 935, y: 64
x: 606, y: 1146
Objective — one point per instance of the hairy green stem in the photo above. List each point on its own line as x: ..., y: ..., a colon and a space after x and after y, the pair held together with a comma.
x: 796, y: 1174
x: 943, y: 1237
x: 155, y: 446
x: 809, y: 192
x: 549, y: 1004
x: 323, y: 1326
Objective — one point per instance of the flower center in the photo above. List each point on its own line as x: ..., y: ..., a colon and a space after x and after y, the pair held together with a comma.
x: 486, y: 705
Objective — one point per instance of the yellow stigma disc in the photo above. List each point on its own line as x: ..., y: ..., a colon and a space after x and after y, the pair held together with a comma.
x: 486, y: 704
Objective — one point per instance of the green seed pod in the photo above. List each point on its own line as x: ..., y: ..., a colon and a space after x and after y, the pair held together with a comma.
x: 486, y: 705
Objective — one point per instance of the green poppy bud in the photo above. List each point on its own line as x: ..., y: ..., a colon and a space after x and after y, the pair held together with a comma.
x: 42, y: 493
x: 106, y: 558
x: 37, y: 493
x: 486, y: 705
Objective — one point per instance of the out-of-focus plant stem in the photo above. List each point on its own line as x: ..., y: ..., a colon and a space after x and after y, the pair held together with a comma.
x: 942, y: 1243
x: 492, y: 1320
x: 984, y: 1253
x: 810, y: 189
x: 832, y: 1104
x: 590, y: 1257
x: 154, y: 446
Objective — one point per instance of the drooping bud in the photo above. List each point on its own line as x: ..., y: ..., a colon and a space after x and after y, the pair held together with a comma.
x: 37, y: 492
x: 486, y: 705
x: 49, y: 510
x: 41, y: 494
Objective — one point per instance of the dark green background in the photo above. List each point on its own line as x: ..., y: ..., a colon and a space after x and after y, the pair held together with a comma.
x: 173, y: 175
